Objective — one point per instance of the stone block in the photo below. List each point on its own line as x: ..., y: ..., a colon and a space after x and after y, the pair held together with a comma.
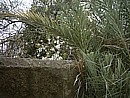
x: 34, y: 78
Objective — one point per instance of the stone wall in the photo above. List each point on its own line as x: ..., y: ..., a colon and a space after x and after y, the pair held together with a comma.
x: 33, y: 78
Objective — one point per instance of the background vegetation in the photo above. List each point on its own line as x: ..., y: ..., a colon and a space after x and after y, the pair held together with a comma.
x: 28, y: 41
x: 99, y: 32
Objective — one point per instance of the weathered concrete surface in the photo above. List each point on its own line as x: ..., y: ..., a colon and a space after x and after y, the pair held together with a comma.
x: 32, y: 78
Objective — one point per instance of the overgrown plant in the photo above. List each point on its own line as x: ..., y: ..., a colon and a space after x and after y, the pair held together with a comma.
x: 102, y: 38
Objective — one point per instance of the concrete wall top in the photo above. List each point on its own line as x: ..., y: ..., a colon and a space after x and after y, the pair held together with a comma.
x: 27, y: 62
